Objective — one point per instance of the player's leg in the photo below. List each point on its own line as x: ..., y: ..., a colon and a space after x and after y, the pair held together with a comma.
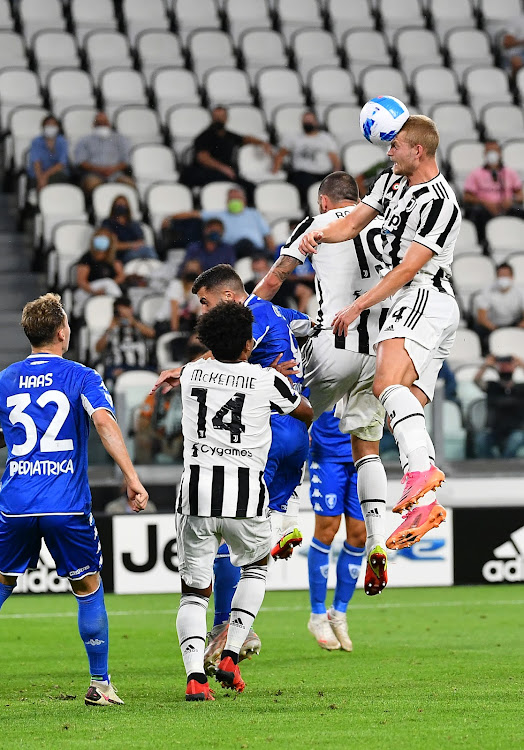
x: 226, y: 577
x: 19, y: 550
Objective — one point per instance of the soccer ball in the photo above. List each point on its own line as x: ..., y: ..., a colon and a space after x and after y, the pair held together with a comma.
x: 381, y: 118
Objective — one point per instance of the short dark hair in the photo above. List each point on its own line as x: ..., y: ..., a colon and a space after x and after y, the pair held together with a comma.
x: 218, y: 276
x: 42, y: 318
x: 225, y: 330
x: 49, y: 117
x: 504, y: 265
x: 216, y: 220
x: 121, y: 302
x: 339, y: 186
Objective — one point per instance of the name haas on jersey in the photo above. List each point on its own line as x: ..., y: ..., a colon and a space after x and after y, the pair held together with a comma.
x: 35, y: 381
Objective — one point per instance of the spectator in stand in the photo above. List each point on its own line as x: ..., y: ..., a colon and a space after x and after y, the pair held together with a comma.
x: 504, y: 434
x: 124, y: 345
x: 97, y: 271
x: 103, y: 156
x: 244, y: 228
x: 48, y: 162
x: 260, y: 265
x: 498, y: 306
x: 211, y: 250
x: 512, y: 44
x: 130, y: 243
x: 214, y: 153
x: 492, y: 190
x: 313, y: 155
x: 180, y: 307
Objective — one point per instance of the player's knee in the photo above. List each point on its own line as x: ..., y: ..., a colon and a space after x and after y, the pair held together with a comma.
x: 327, y: 528
x: 356, y: 536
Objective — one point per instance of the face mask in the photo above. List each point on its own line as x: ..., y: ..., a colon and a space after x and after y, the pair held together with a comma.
x: 121, y: 211
x: 101, y: 242
x: 51, y: 131
x: 103, y: 131
x: 212, y: 237
x: 309, y: 127
x: 190, y: 276
x: 216, y: 126
x: 492, y: 158
x: 504, y: 282
x: 505, y: 377
x: 235, y: 206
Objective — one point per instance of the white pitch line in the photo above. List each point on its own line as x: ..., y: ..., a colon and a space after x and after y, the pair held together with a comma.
x: 392, y: 605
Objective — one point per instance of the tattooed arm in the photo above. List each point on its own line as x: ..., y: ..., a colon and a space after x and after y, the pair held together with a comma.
x: 277, y: 274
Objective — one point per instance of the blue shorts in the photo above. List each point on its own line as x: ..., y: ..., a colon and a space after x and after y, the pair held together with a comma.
x: 72, y: 541
x: 285, y: 462
x: 333, y: 489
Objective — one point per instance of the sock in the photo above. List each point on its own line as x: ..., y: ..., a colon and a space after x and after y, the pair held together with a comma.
x: 227, y: 577
x: 348, y: 569
x: 247, y: 601
x: 430, y: 496
x: 5, y: 592
x: 408, y: 424
x: 372, y: 492
x: 191, y: 629
x: 290, y: 520
x: 94, y: 631
x: 318, y: 569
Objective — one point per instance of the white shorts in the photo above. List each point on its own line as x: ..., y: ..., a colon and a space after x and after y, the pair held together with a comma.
x: 335, y: 374
x: 198, y: 539
x: 427, y: 320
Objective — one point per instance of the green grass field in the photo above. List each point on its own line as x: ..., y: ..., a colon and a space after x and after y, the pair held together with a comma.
x: 431, y: 668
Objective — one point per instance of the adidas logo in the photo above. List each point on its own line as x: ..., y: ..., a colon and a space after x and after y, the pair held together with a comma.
x: 389, y: 328
x: 316, y: 493
x: 315, y: 479
x: 317, y: 507
x: 190, y: 649
x: 509, y: 563
x: 237, y: 622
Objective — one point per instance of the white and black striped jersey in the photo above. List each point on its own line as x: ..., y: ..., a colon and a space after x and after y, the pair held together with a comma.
x: 226, y: 409
x: 344, y: 271
x: 427, y: 213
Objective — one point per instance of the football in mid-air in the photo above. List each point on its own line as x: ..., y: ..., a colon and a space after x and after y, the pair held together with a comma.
x: 381, y: 118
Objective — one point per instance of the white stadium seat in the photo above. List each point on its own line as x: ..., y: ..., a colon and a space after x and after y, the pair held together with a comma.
x: 54, y: 49
x: 172, y: 87
x: 312, y: 198
x: 58, y: 203
x: 255, y: 165
x: 18, y: 87
x: 463, y: 157
x: 328, y: 85
x: 519, y: 81
x: 415, y: 48
x: 152, y: 163
x: 184, y: 123
x: 139, y: 125
x: 165, y: 199
x: 380, y: 79
x: 513, y: 153
x: 467, y: 241
x: 486, y: 86
x: 262, y: 48
x: 120, y: 87
x: 345, y: 16
x: 516, y: 261
x: 434, y: 85
x: 360, y: 156
x: 453, y: 121
x: 502, y: 121
x: 287, y: 121
x: 97, y: 314
x: 92, y: 16
x: 495, y: 14
x: 466, y: 349
x: 311, y: 48
x: 277, y: 86
x: 227, y: 86
x: 191, y: 15
x: 164, y: 353
x: 246, y: 14
x: 22, y: 125
x: 140, y: 16
x: 148, y: 308
x: 505, y: 235
x: 365, y: 47
x: 129, y: 391
x: 295, y: 14
x: 277, y: 200
x: 158, y: 49
x: 36, y: 15
x: 70, y: 240
x: 68, y: 87
x: 342, y: 121
x: 398, y: 14
x: 245, y: 119
x: 105, y: 49
x: 77, y: 122
x: 450, y: 14
x: 467, y: 48
x: 213, y: 196
x: 12, y: 50
x: 507, y: 342
x: 471, y: 273
x: 6, y: 19
x: 210, y: 49
x: 104, y: 195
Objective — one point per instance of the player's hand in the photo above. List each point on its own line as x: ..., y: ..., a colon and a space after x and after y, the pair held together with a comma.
x: 287, y: 368
x: 167, y: 380
x: 309, y: 242
x: 137, y: 495
x: 344, y: 318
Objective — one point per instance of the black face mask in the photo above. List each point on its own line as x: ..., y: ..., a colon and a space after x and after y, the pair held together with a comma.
x: 308, y: 127
x: 505, y: 377
x: 121, y: 211
x: 217, y: 126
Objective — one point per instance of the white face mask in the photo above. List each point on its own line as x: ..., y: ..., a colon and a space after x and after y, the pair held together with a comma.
x: 103, y: 131
x: 50, y: 131
x: 492, y: 158
x: 504, y: 282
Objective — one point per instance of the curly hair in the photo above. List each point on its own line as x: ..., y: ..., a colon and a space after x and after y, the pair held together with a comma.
x: 225, y: 330
x: 42, y: 318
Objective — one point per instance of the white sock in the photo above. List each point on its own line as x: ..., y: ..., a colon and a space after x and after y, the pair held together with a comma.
x: 191, y: 629
x: 247, y: 600
x: 290, y: 519
x: 431, y: 453
x: 408, y: 424
x: 372, y: 492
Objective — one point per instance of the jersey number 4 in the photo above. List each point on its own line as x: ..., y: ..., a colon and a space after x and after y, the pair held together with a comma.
x: 48, y: 441
x: 234, y: 406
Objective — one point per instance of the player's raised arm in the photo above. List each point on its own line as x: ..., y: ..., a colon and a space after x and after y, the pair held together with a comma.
x: 113, y: 442
x: 281, y: 269
x: 345, y: 228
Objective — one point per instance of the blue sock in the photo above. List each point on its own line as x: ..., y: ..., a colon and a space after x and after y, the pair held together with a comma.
x: 227, y: 577
x: 5, y: 593
x: 348, y: 569
x: 94, y: 631
x: 318, y: 568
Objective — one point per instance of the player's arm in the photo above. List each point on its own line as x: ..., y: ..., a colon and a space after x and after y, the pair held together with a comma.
x: 285, y: 400
x: 415, y: 258
x: 303, y: 412
x: 275, y: 277
x: 113, y: 442
x: 342, y: 229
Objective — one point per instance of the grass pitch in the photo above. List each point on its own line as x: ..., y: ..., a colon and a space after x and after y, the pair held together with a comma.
x: 432, y: 669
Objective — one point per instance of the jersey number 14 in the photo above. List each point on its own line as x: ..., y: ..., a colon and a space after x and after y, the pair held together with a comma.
x: 234, y: 406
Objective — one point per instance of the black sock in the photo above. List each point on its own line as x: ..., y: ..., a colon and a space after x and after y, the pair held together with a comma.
x: 198, y: 677
x: 232, y: 654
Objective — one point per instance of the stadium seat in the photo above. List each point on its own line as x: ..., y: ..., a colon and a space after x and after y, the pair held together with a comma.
x: 173, y: 87
x: 184, y: 123
x: 262, y: 48
x: 365, y: 47
x: 105, y: 49
x: 507, y: 342
x: 453, y: 121
x: 70, y: 241
x: 140, y: 16
x: 495, y: 14
x: 287, y: 121
x: 164, y: 350
x: 502, y: 121
x: 6, y: 19
x: 104, y: 195
x: 164, y: 199
x: 344, y: 16
x: 22, y: 126
x: 378, y: 78
x: 467, y: 48
x: 92, y: 16
x: 450, y: 14
x: 36, y: 15
x: 77, y: 122
x: 415, y: 48
x: 246, y: 14
x: 454, y: 431
x: 120, y: 87
x: 18, y: 87
x: 467, y: 390
x: 519, y: 82
x: 148, y: 308
x: 342, y: 121
x: 312, y: 198
x: 280, y: 231
x: 277, y: 86
x: 244, y: 268
x: 312, y: 48
x: 360, y: 156
x: 466, y: 349
x: 505, y: 235
x: 296, y: 14
x: 227, y: 86
x: 152, y: 163
x: 12, y: 50
x: 191, y: 16
x: 486, y: 86
x: 513, y: 153
x: 57, y: 203
x: 97, y: 314
x: 401, y: 13
x: 69, y: 87
x: 213, y: 196
x: 210, y: 49
x: 463, y: 157
x: 471, y: 273
x: 277, y: 200
x: 245, y: 119
x: 467, y: 241
x: 255, y: 166
x: 516, y: 261
x: 54, y: 49
x: 433, y: 85
x: 328, y: 85
x: 158, y: 49
x: 139, y: 125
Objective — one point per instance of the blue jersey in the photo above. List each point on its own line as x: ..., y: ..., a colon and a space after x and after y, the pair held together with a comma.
x: 327, y: 442
x: 45, y: 405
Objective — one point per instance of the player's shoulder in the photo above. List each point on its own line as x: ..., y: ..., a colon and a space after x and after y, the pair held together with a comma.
x: 437, y: 188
